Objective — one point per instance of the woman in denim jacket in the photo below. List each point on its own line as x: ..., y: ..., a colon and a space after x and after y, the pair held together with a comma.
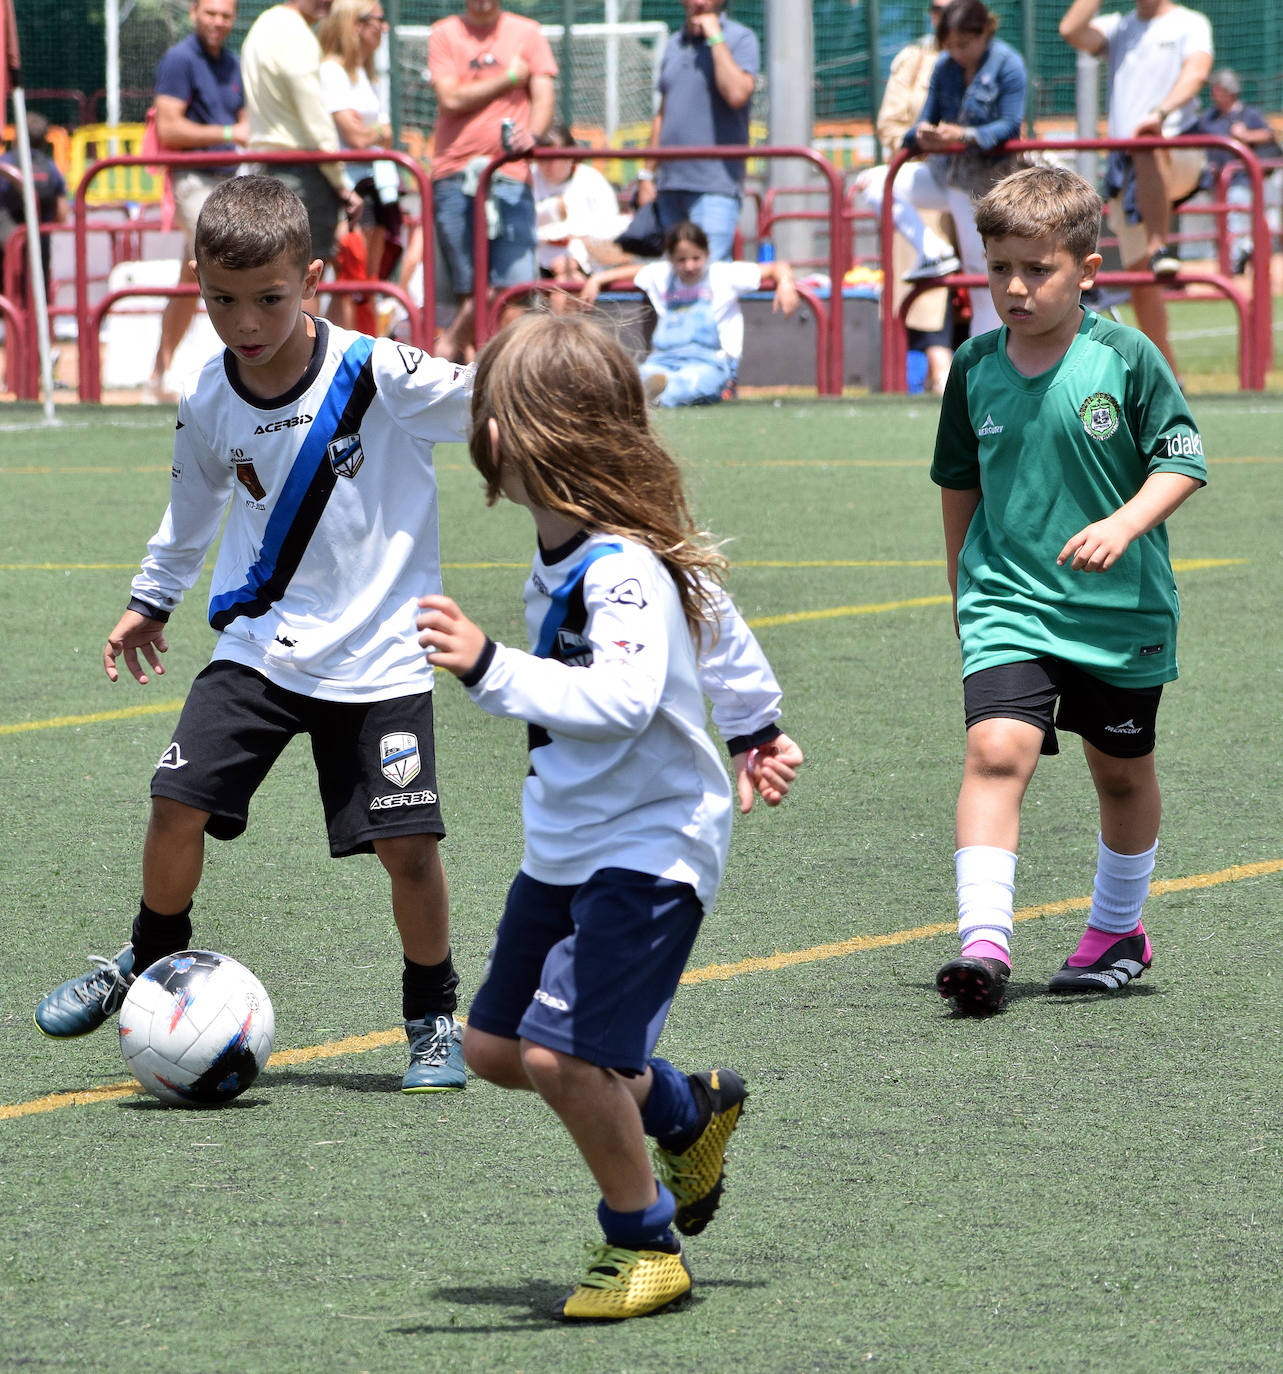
x: 976, y: 98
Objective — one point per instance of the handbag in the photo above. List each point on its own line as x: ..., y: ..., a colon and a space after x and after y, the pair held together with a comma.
x: 644, y: 236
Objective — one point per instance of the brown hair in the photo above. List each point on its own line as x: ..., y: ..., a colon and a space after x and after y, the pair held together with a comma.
x: 573, y: 424
x: 1042, y: 202
x: 966, y: 16
x: 685, y: 231
x: 247, y: 222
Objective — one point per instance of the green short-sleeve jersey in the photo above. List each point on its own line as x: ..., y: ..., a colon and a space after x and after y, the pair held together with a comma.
x: 1052, y: 454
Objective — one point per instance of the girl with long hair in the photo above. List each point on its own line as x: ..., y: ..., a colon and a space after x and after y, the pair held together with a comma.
x: 627, y: 806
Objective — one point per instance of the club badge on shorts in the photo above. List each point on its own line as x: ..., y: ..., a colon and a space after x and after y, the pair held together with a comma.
x: 399, y: 758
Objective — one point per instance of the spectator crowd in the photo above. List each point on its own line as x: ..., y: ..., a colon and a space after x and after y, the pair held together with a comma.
x: 305, y: 81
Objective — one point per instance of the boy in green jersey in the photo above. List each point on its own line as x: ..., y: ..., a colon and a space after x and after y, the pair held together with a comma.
x: 1064, y: 443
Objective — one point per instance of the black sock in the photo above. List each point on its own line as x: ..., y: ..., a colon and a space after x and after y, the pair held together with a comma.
x: 428, y: 989
x: 155, y: 936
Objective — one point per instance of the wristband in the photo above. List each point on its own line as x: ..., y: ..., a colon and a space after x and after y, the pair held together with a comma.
x: 512, y: 75
x: 227, y: 133
x: 715, y: 40
x: 645, y: 175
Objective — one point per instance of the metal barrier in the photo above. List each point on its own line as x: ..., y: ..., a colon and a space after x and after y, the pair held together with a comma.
x: 1254, y: 312
x: 805, y: 293
x: 1221, y: 207
x: 829, y: 382
x: 16, y: 350
x: 89, y: 319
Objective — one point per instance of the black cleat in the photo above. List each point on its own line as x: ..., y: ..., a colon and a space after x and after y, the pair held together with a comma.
x: 976, y: 984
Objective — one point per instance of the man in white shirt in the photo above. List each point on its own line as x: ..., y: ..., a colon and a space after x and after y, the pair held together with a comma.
x: 280, y: 66
x: 1159, y: 56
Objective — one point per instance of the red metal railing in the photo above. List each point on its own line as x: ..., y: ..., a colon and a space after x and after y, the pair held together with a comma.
x: 829, y: 382
x: 1254, y: 311
x: 89, y: 318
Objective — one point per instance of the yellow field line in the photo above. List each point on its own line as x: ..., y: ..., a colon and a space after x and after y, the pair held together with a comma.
x: 759, y: 623
x: 152, y: 708
x: 859, y: 943
x: 360, y: 1044
x: 159, y: 707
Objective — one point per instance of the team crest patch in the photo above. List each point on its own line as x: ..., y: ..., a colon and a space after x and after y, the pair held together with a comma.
x: 345, y: 455
x: 399, y: 758
x: 1099, y: 414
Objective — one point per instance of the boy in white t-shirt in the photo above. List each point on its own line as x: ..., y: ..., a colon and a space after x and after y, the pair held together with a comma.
x: 699, y: 335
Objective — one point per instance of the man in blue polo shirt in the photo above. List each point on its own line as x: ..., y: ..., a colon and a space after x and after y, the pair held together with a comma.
x: 200, y: 107
x: 706, y: 84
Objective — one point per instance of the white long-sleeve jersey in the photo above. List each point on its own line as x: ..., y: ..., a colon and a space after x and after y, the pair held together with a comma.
x: 331, y: 500
x: 622, y: 771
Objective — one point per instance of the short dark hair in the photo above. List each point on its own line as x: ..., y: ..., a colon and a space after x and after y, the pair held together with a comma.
x: 1042, y: 202
x: 247, y: 222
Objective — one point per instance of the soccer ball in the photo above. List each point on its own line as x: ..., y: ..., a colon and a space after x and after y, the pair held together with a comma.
x: 195, y: 1028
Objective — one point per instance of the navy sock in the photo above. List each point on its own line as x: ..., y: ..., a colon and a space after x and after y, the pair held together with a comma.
x: 428, y: 990
x: 647, y: 1229
x: 672, y: 1113
x: 154, y: 936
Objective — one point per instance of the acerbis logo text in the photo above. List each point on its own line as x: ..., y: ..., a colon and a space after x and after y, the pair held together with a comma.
x: 424, y: 798
x: 288, y: 423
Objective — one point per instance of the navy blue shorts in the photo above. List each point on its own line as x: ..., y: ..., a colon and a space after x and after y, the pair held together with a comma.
x: 375, y: 761
x: 589, y: 970
x: 1119, y: 721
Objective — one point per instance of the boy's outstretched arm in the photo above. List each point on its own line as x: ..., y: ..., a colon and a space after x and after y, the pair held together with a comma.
x: 1103, y: 543
x: 135, y: 631
x: 767, y: 771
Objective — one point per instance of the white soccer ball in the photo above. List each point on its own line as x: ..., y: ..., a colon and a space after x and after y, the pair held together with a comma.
x: 196, y: 1027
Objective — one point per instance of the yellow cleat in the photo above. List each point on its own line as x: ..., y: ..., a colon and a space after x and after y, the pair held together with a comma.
x: 623, y: 1283
x: 696, y: 1175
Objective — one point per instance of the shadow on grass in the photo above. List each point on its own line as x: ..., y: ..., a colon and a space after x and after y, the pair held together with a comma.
x: 154, y: 1104
x: 1030, y: 991
x: 1021, y: 994
x: 535, y: 1303
x: 352, y: 1081
x: 532, y: 1304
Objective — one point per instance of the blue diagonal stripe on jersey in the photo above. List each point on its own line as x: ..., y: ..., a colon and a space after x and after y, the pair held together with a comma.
x: 301, y: 504
x: 556, y: 616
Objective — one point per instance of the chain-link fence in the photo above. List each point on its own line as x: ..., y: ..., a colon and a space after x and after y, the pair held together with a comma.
x: 64, y: 54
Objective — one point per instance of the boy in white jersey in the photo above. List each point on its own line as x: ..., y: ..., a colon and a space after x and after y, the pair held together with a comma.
x: 627, y: 806
x: 1064, y: 444
x: 317, y: 443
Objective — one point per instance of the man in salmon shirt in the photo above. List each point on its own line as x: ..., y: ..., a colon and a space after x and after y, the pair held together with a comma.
x: 486, y: 66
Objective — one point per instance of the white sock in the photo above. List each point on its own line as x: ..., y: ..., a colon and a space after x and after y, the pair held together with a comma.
x: 986, y: 890
x: 1122, y: 884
